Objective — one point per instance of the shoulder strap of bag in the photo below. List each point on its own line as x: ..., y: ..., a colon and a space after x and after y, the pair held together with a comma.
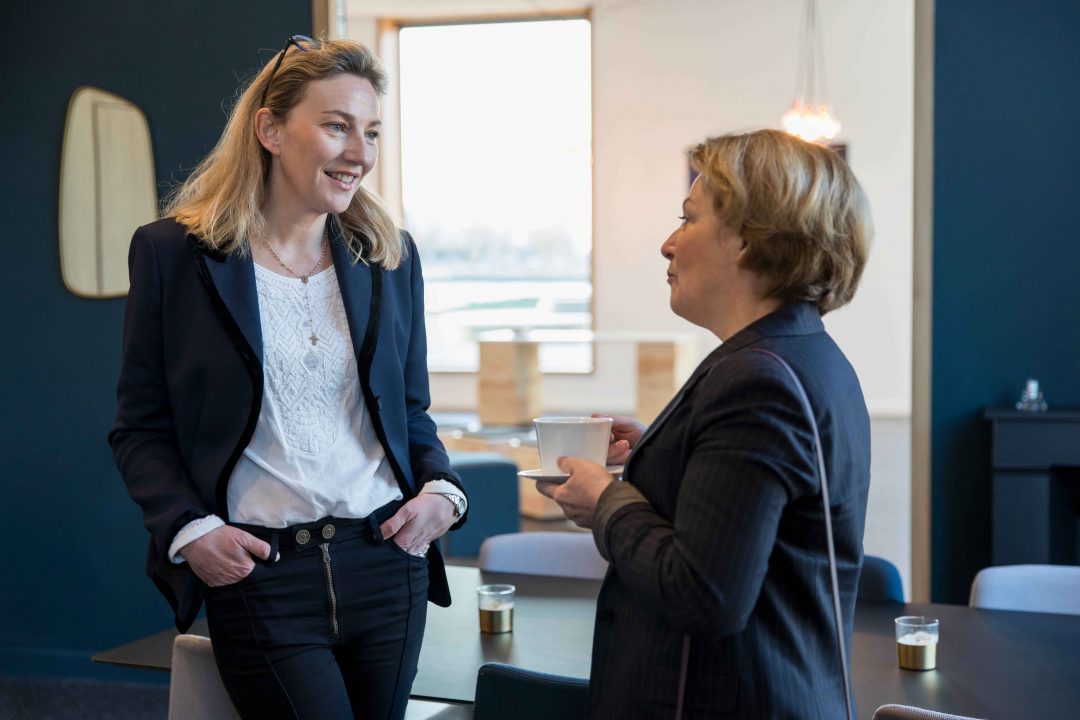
x: 841, y: 646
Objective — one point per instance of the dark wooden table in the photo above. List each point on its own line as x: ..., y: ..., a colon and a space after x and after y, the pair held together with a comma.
x: 991, y: 663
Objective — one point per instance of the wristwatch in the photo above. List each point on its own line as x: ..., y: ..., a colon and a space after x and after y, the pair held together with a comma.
x: 457, y: 502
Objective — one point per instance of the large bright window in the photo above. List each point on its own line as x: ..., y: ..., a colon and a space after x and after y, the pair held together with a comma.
x: 496, y: 183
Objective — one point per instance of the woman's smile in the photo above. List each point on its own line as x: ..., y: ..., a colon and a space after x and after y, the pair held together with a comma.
x: 344, y: 180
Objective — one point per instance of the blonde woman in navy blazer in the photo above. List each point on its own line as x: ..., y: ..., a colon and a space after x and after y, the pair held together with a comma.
x: 717, y: 601
x: 319, y: 616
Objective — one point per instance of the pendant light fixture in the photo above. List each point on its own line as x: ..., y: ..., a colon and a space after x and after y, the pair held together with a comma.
x: 810, y: 116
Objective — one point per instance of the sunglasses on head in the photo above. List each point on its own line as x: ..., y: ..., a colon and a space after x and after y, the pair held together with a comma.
x: 301, y: 42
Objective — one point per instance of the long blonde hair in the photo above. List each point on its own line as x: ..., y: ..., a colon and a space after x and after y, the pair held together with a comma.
x: 221, y: 201
x: 798, y: 206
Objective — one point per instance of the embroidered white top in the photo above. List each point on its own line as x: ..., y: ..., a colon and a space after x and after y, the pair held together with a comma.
x: 314, y: 452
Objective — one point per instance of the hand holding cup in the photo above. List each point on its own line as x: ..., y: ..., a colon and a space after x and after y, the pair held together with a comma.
x: 580, y: 493
x: 575, y: 447
x: 625, y: 434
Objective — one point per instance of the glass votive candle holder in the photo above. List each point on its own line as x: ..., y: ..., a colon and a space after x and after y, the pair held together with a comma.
x: 916, y: 642
x: 496, y: 604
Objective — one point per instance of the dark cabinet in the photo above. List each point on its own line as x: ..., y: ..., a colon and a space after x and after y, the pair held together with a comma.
x: 1035, y: 458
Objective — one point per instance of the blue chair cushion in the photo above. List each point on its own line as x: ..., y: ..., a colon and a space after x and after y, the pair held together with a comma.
x: 880, y: 581
x: 492, y: 484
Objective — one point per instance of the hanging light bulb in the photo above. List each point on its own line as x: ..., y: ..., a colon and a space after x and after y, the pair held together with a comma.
x: 810, y: 117
x: 811, y: 123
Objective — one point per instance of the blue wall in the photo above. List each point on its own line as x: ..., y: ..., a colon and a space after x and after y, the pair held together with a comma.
x: 1006, y: 261
x: 73, y: 545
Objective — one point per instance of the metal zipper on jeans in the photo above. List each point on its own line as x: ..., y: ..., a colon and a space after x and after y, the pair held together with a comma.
x: 325, y: 547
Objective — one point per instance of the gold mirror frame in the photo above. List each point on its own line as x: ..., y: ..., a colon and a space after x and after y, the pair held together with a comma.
x: 107, y: 189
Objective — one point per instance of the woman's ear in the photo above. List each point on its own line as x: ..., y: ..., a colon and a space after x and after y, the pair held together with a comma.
x: 743, y: 247
x: 267, y: 129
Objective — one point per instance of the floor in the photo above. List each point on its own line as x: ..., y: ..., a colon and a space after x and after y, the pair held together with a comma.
x: 58, y: 699
x: 28, y: 698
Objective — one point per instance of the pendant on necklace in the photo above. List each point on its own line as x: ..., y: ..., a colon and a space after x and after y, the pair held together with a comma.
x: 304, y: 279
x: 311, y: 360
x: 314, y: 339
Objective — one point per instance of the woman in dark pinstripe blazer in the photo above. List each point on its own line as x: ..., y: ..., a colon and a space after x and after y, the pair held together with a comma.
x: 718, y: 599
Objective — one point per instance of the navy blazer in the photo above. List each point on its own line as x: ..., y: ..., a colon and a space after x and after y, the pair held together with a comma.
x: 718, y: 535
x: 191, y: 385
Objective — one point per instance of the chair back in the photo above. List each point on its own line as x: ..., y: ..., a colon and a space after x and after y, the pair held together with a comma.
x: 504, y: 691
x: 880, y: 581
x: 561, y: 554
x: 1032, y: 588
x: 195, y: 689
x: 906, y: 712
x: 493, y: 501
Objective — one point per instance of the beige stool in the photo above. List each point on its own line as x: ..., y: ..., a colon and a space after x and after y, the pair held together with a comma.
x: 195, y: 690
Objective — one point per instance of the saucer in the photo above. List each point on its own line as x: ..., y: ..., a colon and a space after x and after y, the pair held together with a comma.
x: 540, y: 476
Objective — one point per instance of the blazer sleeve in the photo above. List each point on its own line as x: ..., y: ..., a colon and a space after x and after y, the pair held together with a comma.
x: 749, y: 453
x: 143, y: 438
x: 426, y: 452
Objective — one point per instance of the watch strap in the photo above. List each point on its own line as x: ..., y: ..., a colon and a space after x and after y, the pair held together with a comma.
x: 455, y: 501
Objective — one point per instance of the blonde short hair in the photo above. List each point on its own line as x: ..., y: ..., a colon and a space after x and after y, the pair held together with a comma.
x: 798, y: 206
x: 221, y: 201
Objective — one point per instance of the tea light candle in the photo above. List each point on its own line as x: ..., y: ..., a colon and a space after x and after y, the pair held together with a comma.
x: 496, y: 605
x: 916, y: 642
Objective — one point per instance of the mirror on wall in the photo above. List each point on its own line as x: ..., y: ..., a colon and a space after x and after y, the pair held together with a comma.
x: 107, y: 189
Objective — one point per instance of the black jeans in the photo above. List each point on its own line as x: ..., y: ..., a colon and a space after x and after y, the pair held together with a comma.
x: 331, y: 630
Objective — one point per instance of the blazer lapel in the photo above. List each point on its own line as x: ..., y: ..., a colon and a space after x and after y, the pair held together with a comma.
x: 354, y: 279
x: 234, y: 279
x: 701, y: 372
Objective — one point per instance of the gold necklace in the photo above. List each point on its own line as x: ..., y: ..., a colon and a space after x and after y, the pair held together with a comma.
x: 310, y: 359
x: 304, y: 277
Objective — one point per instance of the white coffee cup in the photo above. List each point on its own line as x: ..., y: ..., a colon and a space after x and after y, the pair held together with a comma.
x: 583, y: 437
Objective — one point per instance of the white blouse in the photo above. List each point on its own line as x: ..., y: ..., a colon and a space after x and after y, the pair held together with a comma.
x: 314, y: 452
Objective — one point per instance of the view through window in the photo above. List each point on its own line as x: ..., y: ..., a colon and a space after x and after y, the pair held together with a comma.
x: 497, y: 184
